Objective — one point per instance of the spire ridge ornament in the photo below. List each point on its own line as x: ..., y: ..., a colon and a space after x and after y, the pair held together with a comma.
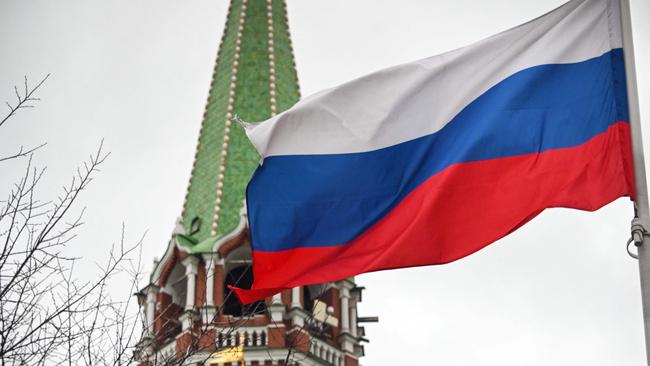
x: 227, y: 123
x: 269, y: 14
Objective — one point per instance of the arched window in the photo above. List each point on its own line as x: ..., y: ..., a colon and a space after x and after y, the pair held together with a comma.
x: 172, y: 302
x: 240, y: 274
x: 310, y: 294
x: 176, y: 285
x: 307, y: 299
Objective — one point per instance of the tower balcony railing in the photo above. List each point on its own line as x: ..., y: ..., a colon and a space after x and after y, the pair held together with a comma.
x: 325, y: 352
x: 250, y: 336
x: 167, y: 352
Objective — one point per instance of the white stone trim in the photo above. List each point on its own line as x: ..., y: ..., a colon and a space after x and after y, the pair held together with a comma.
x: 166, y: 352
x: 150, y: 306
x: 157, y: 271
x: 353, y: 319
x: 243, y: 221
x: 327, y: 353
x: 191, y: 269
x: 209, y: 259
x: 344, y: 295
x: 295, y: 298
x: 230, y: 336
x: 187, y: 320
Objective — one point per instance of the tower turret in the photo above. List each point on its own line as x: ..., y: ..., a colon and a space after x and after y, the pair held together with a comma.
x: 254, y: 78
x: 189, y: 312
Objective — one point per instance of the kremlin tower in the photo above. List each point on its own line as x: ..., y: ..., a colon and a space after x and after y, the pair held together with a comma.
x: 191, y: 317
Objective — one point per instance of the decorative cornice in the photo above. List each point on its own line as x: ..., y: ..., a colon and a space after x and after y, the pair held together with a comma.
x: 158, y: 271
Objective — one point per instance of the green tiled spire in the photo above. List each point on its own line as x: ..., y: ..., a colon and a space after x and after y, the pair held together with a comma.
x: 254, y: 78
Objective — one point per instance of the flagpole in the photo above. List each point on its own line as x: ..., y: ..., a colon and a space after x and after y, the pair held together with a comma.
x: 641, y: 222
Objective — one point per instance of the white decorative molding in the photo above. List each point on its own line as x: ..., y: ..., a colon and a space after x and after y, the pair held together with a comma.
x: 299, y: 317
x: 241, y: 226
x: 157, y: 271
x: 187, y: 319
x: 353, y: 318
x: 191, y: 269
x: 277, y: 310
x: 165, y: 353
x: 295, y: 298
x: 322, y: 350
x: 150, y: 306
x: 346, y: 339
x: 209, y: 259
x: 178, y: 227
x: 251, y: 336
x: 344, y: 295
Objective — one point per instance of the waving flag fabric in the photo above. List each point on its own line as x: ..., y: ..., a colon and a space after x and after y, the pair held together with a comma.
x: 427, y: 162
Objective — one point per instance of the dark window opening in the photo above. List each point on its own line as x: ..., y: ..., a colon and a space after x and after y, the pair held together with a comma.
x: 307, y: 299
x: 240, y: 277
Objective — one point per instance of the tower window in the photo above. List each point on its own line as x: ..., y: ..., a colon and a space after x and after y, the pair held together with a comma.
x: 242, y: 277
x: 307, y: 299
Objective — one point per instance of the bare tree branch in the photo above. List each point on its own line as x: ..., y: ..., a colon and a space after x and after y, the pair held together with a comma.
x: 23, y: 99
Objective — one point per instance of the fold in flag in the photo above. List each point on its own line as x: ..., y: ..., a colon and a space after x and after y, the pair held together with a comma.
x: 427, y: 162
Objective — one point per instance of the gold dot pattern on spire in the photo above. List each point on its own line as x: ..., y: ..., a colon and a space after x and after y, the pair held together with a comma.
x: 272, y: 86
x: 293, y: 56
x: 255, y: 79
x: 228, y: 119
x: 205, y: 113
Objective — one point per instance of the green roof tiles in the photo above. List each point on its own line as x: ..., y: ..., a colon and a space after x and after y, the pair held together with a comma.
x: 247, y: 82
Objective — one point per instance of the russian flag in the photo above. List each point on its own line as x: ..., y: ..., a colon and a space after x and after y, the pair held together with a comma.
x: 427, y: 162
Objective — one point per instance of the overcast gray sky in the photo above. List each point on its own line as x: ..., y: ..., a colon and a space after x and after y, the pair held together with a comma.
x: 560, y: 291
